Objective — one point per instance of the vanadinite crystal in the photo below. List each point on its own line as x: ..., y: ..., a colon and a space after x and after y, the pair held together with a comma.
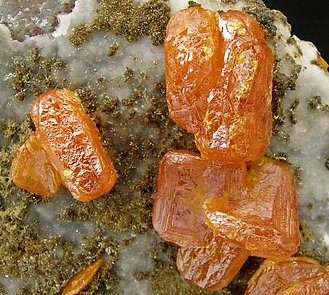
x: 295, y: 275
x: 317, y: 285
x: 212, y: 267
x: 32, y: 170
x: 73, y: 145
x: 219, y: 74
x: 264, y: 218
x: 185, y: 181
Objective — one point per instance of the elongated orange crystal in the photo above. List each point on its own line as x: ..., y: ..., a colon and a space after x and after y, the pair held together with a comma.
x: 32, y: 170
x: 264, y: 218
x: 73, y: 144
x: 289, y: 275
x: 219, y: 74
x: 82, y: 279
x: 212, y: 267
x: 185, y: 181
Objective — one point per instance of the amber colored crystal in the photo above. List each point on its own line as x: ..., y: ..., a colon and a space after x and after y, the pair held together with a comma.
x: 264, y: 218
x: 185, y: 181
x: 292, y: 274
x: 73, y: 144
x: 82, y: 279
x: 219, y: 74
x: 193, y: 61
x: 314, y: 286
x: 31, y: 169
x: 212, y: 267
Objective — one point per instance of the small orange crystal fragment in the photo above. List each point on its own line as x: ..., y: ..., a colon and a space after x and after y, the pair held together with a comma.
x: 185, y: 181
x: 73, y: 144
x: 219, y: 74
x: 288, y: 275
x: 264, y: 218
x: 32, y: 170
x: 82, y: 279
x: 212, y: 267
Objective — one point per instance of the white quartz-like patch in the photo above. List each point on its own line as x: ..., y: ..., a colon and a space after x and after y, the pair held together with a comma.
x: 308, y: 146
x: 136, y: 258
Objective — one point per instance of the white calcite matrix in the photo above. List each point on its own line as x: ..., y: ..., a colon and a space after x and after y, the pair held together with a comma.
x: 302, y: 137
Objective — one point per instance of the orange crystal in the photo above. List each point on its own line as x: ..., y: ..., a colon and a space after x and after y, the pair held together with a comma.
x: 288, y: 275
x: 193, y: 61
x: 212, y: 267
x: 318, y: 285
x: 219, y: 73
x: 32, y: 170
x: 73, y: 144
x: 82, y: 279
x: 264, y: 218
x: 185, y: 181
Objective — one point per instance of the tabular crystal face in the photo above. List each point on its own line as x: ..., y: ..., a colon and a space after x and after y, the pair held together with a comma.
x: 219, y: 73
x: 32, y: 170
x: 272, y: 277
x: 317, y: 285
x: 212, y: 267
x: 264, y: 218
x: 185, y: 181
x: 73, y: 144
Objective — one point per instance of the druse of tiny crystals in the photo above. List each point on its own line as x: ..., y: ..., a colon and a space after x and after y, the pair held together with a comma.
x: 111, y: 53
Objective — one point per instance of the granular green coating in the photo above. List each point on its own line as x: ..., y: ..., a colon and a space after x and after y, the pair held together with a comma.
x: 123, y: 18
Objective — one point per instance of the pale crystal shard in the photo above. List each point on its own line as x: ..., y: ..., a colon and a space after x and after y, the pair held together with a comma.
x: 185, y: 181
x: 264, y: 218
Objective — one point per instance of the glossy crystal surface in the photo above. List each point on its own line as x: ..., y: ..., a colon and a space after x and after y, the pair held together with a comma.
x: 82, y: 279
x: 185, y: 181
x: 73, y: 145
x: 219, y: 74
x: 212, y: 267
x: 32, y: 170
x: 318, y: 285
x: 274, y: 277
x: 264, y: 217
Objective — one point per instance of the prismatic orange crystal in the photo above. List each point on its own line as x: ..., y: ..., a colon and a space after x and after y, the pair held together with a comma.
x: 263, y: 218
x: 219, y: 73
x: 185, y: 181
x: 295, y: 275
x: 73, y: 144
x: 212, y: 267
x: 82, y: 279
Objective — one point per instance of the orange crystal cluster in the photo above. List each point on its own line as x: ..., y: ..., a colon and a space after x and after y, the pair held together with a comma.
x: 229, y: 202
x: 65, y: 149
